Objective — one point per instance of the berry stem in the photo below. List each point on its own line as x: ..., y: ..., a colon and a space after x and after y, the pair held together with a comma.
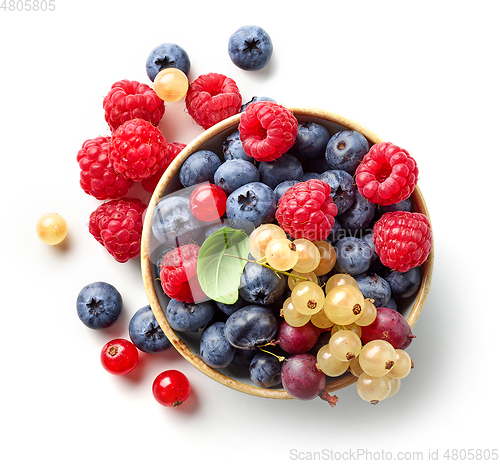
x: 269, y: 267
x: 280, y: 358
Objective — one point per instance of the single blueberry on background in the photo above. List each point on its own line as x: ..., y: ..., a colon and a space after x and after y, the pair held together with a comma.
x: 265, y: 370
x: 189, y: 317
x: 199, y: 167
x: 286, y: 167
x: 310, y: 141
x: 173, y: 223
x: 99, y: 305
x: 375, y: 287
x: 251, y: 326
x: 261, y: 285
x: 250, y: 48
x: 233, y: 174
x: 346, y: 149
x: 215, y: 350
x: 405, y: 284
x: 354, y: 256
x: 167, y: 55
x: 145, y: 332
x: 254, y: 202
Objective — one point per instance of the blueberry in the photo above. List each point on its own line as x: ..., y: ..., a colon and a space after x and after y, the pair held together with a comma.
x: 255, y: 100
x: 403, y: 205
x: 167, y: 55
x: 358, y: 216
x: 251, y: 326
x: 229, y: 309
x: 261, y: 285
x: 199, y: 167
x: 282, y: 187
x: 265, y: 370
x: 343, y: 188
x: 215, y: 350
x: 353, y: 256
x: 233, y: 174
x: 232, y: 148
x: 375, y: 287
x: 404, y: 284
x: 244, y: 357
x: 98, y: 305
x: 189, y: 317
x: 173, y: 223
x: 311, y: 140
x: 254, y: 202
x: 346, y: 149
x: 145, y: 332
x: 287, y: 167
x: 250, y: 48
x: 241, y: 224
x: 336, y: 233
x: 310, y: 175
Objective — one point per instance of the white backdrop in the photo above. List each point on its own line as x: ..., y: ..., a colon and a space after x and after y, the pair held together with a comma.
x: 423, y: 75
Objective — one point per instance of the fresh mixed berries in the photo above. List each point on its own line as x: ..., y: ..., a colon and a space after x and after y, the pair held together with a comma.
x: 287, y: 251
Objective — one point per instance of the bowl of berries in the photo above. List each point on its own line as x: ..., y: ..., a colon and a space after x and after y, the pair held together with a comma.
x: 287, y: 253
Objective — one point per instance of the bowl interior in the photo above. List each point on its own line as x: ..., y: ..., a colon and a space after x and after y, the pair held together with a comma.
x: 187, y: 343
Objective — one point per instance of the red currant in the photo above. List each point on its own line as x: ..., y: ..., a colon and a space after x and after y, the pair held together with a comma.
x: 208, y: 202
x: 171, y: 388
x: 119, y: 356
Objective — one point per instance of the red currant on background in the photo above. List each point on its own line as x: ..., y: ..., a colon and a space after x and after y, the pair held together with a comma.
x: 208, y: 202
x: 119, y: 356
x: 171, y: 388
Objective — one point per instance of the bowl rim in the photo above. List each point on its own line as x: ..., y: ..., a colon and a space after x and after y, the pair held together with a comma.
x: 148, y: 279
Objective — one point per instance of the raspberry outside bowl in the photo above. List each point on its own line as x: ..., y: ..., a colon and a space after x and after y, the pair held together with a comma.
x: 187, y: 343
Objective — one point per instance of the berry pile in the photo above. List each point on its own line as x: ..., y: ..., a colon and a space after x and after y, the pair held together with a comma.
x: 288, y: 250
x: 325, y: 266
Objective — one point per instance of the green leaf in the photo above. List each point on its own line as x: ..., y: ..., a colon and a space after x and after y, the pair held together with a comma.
x: 219, y: 274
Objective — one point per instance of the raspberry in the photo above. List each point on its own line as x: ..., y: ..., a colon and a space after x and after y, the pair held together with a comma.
x: 267, y: 130
x: 97, y: 176
x: 138, y: 150
x: 178, y: 274
x: 173, y: 149
x: 387, y: 174
x: 117, y: 225
x: 211, y: 98
x: 402, y: 239
x: 307, y: 210
x: 129, y: 100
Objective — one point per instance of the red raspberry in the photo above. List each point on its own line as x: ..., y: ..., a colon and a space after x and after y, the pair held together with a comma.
x: 117, y: 225
x: 138, y: 150
x: 129, y: 100
x: 307, y: 210
x: 97, y: 176
x: 402, y: 239
x: 173, y: 149
x: 387, y: 174
x: 211, y: 98
x: 178, y: 275
x: 267, y: 130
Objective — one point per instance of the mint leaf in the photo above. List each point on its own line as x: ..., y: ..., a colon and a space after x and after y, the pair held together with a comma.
x: 219, y: 274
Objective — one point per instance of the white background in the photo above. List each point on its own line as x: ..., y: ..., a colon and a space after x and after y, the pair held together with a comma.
x: 422, y: 74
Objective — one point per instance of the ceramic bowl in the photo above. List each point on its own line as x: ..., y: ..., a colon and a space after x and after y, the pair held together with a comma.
x: 187, y: 343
